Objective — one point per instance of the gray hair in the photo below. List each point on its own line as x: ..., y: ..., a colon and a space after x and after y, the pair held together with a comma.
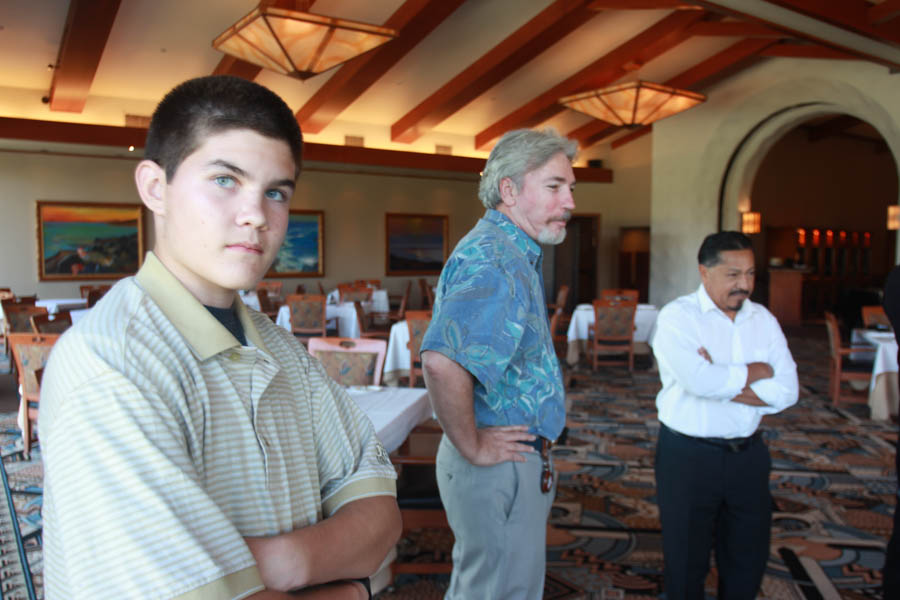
x: 518, y: 153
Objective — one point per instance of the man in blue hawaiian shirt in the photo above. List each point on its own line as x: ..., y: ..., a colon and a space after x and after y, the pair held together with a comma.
x: 492, y: 373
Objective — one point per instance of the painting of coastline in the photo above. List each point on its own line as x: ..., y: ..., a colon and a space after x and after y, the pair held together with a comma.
x: 302, y: 254
x: 81, y: 240
x: 416, y: 244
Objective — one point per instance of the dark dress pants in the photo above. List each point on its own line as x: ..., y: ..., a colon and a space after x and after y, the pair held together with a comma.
x: 711, y: 497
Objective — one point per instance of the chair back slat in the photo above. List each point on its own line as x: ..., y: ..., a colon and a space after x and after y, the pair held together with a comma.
x: 875, y: 315
x: 619, y: 294
x: 42, y: 323
x: 307, y: 313
x: 834, y: 335
x: 18, y: 317
x: 350, y: 361
x: 417, y: 322
x: 31, y: 352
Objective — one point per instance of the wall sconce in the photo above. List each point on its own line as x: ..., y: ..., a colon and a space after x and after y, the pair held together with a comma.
x: 751, y: 222
x: 893, y: 219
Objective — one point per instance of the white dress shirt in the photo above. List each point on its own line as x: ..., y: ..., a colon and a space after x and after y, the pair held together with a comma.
x: 696, y: 395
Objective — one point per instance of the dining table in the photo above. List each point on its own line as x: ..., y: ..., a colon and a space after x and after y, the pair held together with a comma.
x: 884, y: 395
x: 583, y: 317
x: 394, y: 411
x: 344, y: 313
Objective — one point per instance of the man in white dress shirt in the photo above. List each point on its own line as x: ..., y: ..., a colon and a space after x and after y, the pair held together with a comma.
x: 724, y: 363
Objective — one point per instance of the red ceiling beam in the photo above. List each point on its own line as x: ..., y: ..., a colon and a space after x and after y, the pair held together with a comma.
x: 87, y: 28
x: 703, y: 74
x: 549, y: 26
x: 232, y: 65
x: 641, y: 5
x: 848, y: 14
x: 657, y: 39
x: 791, y: 50
x: 414, y: 20
x: 884, y: 12
x: 637, y: 133
x: 733, y: 29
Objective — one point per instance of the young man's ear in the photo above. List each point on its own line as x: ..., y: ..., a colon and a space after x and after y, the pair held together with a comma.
x: 508, y: 191
x: 150, y: 179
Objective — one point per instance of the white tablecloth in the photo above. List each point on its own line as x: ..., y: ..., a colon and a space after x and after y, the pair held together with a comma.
x: 394, y: 411
x: 396, y: 361
x: 250, y: 299
x: 77, y: 315
x: 54, y: 305
x: 344, y: 313
x: 378, y: 303
x: 884, y: 396
x: 583, y: 317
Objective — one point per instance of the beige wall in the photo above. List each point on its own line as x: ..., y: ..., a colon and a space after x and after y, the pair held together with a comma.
x: 730, y: 134
x: 354, y: 205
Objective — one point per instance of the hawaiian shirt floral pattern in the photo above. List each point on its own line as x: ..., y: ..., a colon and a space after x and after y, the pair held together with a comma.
x: 490, y: 316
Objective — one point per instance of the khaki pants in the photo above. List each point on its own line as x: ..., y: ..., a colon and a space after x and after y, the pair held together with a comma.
x: 499, y: 519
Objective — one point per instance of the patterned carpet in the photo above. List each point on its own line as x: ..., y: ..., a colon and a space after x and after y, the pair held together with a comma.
x: 833, y: 486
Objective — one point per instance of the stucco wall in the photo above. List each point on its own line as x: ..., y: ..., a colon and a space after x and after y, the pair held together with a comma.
x: 354, y: 205
x: 742, y: 118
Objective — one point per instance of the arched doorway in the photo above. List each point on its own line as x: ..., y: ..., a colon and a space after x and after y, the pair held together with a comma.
x: 822, y: 190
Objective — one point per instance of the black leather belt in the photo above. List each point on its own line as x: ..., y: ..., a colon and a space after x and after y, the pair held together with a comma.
x: 738, y: 444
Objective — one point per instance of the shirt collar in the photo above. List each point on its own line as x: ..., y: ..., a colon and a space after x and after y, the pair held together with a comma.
x: 202, y: 331
x: 706, y: 305
x: 522, y: 240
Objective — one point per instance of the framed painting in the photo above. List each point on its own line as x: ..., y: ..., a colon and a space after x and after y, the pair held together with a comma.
x: 303, y: 252
x: 415, y: 244
x: 89, y: 240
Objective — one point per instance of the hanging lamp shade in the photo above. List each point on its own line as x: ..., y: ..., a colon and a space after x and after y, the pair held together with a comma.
x: 296, y: 43
x: 634, y: 103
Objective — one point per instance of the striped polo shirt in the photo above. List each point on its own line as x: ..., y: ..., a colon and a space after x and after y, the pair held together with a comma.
x: 165, y: 442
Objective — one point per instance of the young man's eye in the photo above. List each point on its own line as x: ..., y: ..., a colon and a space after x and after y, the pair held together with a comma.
x: 276, y: 195
x: 225, y: 181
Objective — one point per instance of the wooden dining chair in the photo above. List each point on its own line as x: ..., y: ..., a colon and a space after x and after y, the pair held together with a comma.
x: 266, y: 306
x: 42, y: 323
x: 427, y: 294
x: 30, y: 353
x: 350, y: 361
x: 368, y: 326
x: 417, y: 321
x: 393, y: 316
x: 17, y: 319
x: 354, y: 293
x: 619, y: 294
x: 559, y: 326
x: 843, y: 368
x: 874, y: 316
x: 94, y: 296
x: 87, y: 289
x: 321, y: 289
x: 307, y: 315
x: 562, y: 296
x: 273, y: 288
x: 612, y: 334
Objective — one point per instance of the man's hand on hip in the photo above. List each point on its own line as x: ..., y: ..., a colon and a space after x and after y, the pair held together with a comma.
x: 500, y: 444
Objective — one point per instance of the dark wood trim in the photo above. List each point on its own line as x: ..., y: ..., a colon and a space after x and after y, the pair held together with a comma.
x: 107, y: 135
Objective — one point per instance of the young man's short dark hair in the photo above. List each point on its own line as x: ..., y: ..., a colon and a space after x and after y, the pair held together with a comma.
x: 723, y: 241
x: 200, y: 107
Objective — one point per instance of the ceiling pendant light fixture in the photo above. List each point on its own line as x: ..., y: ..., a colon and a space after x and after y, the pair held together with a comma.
x: 297, y: 43
x: 633, y: 104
